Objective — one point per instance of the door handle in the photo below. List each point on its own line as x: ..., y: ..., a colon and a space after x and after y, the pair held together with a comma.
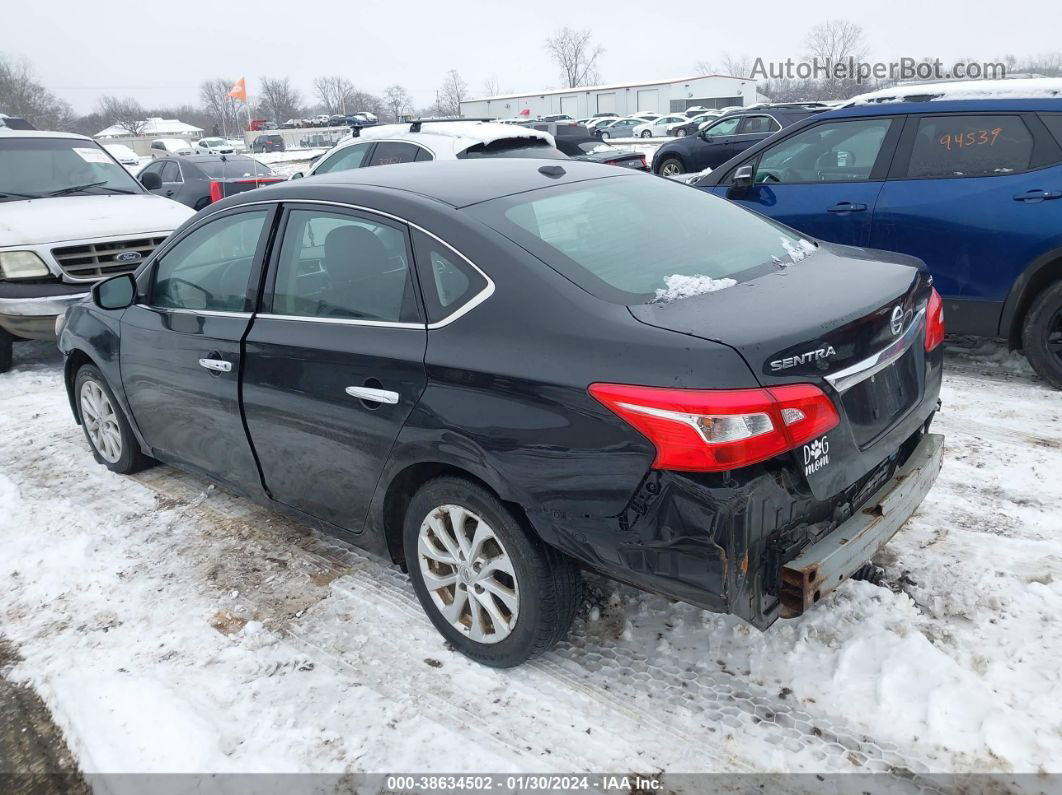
x: 372, y: 395
x: 1037, y: 195
x: 217, y: 365
x: 847, y: 207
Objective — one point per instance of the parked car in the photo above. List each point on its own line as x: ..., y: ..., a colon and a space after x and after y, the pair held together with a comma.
x: 971, y: 186
x: 71, y: 216
x: 433, y: 139
x: 691, y: 125
x: 594, y: 150
x: 647, y: 115
x: 198, y: 180
x: 556, y: 117
x: 657, y: 127
x: 730, y: 134
x: 123, y: 154
x: 15, y: 122
x: 320, y: 120
x: 487, y: 372
x: 618, y: 128
x: 267, y: 143
x: 598, y: 121
x: 167, y: 147
x: 214, y: 146
x: 559, y: 128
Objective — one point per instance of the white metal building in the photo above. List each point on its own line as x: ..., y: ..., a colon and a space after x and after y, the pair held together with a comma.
x: 661, y: 96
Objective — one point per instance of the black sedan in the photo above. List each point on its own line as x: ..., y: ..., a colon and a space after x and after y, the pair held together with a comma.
x: 594, y: 150
x: 495, y: 372
x: 198, y: 180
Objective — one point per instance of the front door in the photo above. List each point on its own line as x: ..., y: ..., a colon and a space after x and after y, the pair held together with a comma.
x: 180, y: 353
x: 825, y: 179
x: 335, y: 361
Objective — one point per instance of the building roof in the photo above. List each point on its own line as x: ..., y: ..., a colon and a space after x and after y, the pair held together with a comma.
x: 152, y: 127
x: 611, y: 87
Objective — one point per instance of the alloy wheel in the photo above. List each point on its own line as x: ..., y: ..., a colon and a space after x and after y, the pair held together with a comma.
x: 670, y: 168
x: 468, y: 573
x: 101, y: 422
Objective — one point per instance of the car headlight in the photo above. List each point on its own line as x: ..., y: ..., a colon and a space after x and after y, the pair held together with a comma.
x: 22, y: 265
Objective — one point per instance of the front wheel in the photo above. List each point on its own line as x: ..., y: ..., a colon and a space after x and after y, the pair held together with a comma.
x: 681, y: 133
x: 646, y: 134
x: 672, y: 166
x: 7, y: 353
x: 1041, y: 335
x: 492, y: 589
x: 106, y: 428
x: 605, y: 136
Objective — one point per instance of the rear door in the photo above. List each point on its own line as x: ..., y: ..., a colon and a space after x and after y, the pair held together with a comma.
x: 977, y: 196
x: 180, y: 353
x: 334, y: 361
x: 825, y: 179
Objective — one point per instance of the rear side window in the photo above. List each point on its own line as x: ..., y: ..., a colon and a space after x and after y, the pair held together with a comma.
x: 389, y: 153
x: 447, y: 281
x: 513, y: 147
x: 759, y: 124
x: 1054, y: 124
x: 970, y: 146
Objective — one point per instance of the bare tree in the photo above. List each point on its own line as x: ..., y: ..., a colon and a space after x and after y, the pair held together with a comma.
x: 576, y: 56
x: 335, y: 93
x: 1048, y: 64
x: 125, y: 113
x: 278, y: 99
x: 223, y: 110
x: 836, y: 40
x: 491, y: 87
x: 732, y: 65
x: 398, y: 101
x: 451, y: 94
x: 21, y: 95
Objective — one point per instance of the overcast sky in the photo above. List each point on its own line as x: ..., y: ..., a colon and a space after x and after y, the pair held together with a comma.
x: 158, y: 52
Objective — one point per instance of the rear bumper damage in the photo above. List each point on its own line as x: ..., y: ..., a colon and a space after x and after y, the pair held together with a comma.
x: 824, y: 565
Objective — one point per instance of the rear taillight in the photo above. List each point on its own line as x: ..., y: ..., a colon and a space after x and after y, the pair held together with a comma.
x: 700, y: 430
x: 215, y: 191
x: 934, y: 321
x: 644, y: 164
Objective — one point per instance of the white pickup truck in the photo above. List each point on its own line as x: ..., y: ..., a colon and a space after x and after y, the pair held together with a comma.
x: 70, y: 215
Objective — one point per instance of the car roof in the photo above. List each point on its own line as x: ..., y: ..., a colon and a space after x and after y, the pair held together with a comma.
x: 7, y: 132
x: 1031, y: 104
x: 473, y: 131
x: 458, y: 183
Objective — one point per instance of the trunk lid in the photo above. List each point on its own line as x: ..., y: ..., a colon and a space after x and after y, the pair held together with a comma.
x: 820, y: 321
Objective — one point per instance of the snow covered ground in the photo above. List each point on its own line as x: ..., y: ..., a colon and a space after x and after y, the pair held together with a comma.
x: 172, y: 627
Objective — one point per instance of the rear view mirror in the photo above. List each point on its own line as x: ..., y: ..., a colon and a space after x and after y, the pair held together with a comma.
x: 117, y: 292
x: 151, y: 180
x: 741, y: 182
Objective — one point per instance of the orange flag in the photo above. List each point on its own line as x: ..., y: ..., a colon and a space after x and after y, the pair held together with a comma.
x: 239, y: 90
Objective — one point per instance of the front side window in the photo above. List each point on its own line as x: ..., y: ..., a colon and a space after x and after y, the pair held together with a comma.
x: 339, y: 266
x: 970, y: 146
x: 346, y: 158
x: 171, y: 172
x: 623, y: 239
x: 828, y: 152
x: 723, y: 127
x: 209, y: 269
x: 44, y: 167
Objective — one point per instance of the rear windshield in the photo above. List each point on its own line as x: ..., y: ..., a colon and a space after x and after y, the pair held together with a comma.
x: 233, y: 167
x: 513, y: 147
x: 633, y: 240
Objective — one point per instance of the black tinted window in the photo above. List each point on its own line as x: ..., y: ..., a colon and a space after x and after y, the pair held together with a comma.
x: 389, y: 153
x: 1054, y: 124
x: 210, y: 267
x: 170, y: 172
x: 970, y: 146
x: 341, y: 266
x: 447, y: 281
x: 513, y: 147
x: 233, y: 167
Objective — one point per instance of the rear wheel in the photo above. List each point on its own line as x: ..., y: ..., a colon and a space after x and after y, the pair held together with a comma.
x: 490, y: 587
x: 106, y: 428
x: 7, y: 353
x: 672, y: 166
x: 1041, y: 335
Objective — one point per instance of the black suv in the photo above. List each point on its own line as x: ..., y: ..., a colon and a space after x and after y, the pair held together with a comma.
x: 268, y: 143
x: 730, y: 135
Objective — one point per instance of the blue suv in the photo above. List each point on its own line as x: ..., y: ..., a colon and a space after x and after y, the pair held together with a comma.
x: 972, y: 187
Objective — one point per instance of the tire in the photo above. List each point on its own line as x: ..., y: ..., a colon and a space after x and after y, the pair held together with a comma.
x: 204, y: 202
x: 540, y: 586
x: 681, y: 132
x: 113, y: 444
x: 646, y: 134
x: 1041, y: 335
x: 670, y: 166
x: 604, y: 136
x: 7, y: 353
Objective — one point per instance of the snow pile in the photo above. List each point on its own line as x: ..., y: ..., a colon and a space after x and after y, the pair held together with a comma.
x: 800, y: 250
x: 1019, y: 88
x: 679, y: 286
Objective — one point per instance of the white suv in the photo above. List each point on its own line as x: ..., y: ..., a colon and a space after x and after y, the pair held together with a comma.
x: 71, y: 215
x: 433, y: 139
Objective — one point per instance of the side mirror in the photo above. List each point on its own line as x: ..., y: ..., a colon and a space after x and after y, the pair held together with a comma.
x: 151, y: 180
x: 297, y: 175
x: 117, y: 292
x: 741, y: 182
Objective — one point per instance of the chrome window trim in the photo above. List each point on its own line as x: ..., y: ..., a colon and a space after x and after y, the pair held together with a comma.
x: 462, y: 310
x: 203, y: 312
x: 845, y: 379
x: 343, y: 321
